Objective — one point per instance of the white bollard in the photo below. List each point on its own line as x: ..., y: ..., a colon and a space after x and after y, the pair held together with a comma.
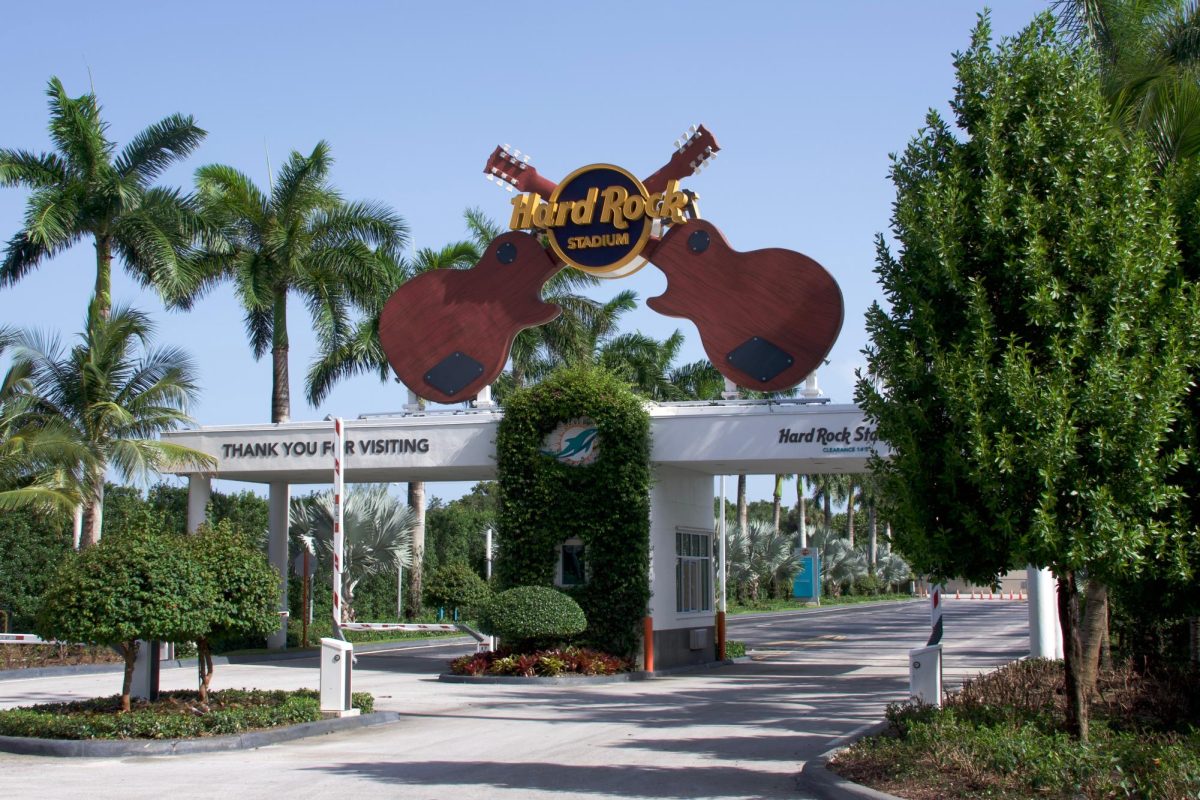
x: 925, y: 675
x: 337, y: 666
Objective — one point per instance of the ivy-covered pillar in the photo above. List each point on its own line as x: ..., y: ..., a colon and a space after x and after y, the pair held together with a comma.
x: 573, y: 459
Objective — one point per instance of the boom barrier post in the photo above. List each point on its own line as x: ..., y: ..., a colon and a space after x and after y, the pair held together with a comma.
x: 339, y: 454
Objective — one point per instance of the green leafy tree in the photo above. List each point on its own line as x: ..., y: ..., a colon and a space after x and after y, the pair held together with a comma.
x: 457, y: 530
x: 243, y: 591
x: 32, y: 545
x: 1148, y: 58
x: 85, y: 188
x: 139, y: 583
x: 1034, y: 357
x: 111, y: 394
x: 456, y: 585
x: 300, y: 238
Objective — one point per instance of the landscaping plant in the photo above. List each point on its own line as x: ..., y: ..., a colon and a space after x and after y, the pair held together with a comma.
x: 529, y: 617
x: 138, y: 583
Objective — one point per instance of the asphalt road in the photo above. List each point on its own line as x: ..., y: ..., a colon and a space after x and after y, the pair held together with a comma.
x: 742, y: 731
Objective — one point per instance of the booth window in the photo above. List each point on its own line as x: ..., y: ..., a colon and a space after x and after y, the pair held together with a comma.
x: 693, y: 570
x: 572, y: 568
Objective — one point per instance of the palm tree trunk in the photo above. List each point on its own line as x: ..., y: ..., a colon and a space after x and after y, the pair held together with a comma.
x: 103, y: 290
x: 850, y: 512
x: 742, y: 510
x: 802, y: 502
x: 416, y: 501
x: 778, y: 498
x: 77, y: 527
x: 827, y: 493
x: 93, y: 515
x: 873, y: 540
x: 281, y: 398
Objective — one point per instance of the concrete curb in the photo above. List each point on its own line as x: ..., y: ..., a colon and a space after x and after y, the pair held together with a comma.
x: 190, y: 663
x: 818, y: 779
x: 121, y: 748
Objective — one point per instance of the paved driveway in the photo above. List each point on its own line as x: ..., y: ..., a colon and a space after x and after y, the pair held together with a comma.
x: 742, y: 731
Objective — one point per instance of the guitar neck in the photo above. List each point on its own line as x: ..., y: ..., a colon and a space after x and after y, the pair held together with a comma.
x: 692, y: 153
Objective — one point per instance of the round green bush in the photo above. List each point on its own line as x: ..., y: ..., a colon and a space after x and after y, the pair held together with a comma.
x: 528, y: 616
x: 456, y: 585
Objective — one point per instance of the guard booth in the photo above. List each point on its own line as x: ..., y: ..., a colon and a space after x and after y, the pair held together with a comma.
x: 691, y: 443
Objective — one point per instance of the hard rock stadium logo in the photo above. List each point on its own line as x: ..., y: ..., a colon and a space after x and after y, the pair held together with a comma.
x: 600, y: 217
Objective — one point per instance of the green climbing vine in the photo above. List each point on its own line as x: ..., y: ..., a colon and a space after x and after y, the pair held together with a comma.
x: 604, y: 504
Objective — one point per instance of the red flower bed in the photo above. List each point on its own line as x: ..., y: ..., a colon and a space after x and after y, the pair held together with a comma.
x: 542, y: 663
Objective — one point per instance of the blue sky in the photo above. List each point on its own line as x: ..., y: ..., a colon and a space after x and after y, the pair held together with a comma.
x: 807, y: 99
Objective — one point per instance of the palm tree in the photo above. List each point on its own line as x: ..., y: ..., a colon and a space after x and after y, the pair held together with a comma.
x: 110, y: 395
x: 37, y: 461
x: 842, y: 564
x: 760, y: 556
x: 1149, y: 57
x: 300, y: 238
x: 81, y: 190
x: 824, y: 489
x: 378, y: 534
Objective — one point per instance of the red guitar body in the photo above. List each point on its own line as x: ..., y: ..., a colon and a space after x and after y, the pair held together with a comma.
x: 767, y: 318
x: 447, y: 333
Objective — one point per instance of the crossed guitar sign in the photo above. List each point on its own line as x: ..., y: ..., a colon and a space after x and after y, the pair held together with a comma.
x: 766, y: 317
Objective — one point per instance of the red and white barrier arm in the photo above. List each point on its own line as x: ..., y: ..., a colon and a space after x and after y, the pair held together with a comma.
x: 413, y: 627
x: 24, y: 638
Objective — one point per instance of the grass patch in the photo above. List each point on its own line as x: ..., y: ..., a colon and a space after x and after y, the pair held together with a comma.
x: 792, y: 604
x: 734, y: 648
x: 175, y: 715
x: 1003, y: 737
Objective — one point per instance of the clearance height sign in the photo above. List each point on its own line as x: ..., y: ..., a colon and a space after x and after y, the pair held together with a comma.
x: 599, y: 218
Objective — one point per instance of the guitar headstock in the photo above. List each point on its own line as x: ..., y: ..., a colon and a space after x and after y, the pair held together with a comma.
x: 509, y: 169
x: 694, y: 151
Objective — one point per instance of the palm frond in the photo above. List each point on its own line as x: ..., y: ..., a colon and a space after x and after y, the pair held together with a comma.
x: 159, y: 146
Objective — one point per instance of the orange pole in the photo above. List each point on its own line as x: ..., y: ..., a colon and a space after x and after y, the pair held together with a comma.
x: 648, y: 646
x: 720, y: 636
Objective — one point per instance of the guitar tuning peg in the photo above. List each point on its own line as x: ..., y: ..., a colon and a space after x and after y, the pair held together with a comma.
x: 695, y: 165
x: 525, y: 158
x: 516, y: 154
x: 694, y: 129
x: 506, y: 148
x: 523, y: 164
x: 677, y: 144
x: 490, y: 177
x: 513, y: 181
x: 508, y: 186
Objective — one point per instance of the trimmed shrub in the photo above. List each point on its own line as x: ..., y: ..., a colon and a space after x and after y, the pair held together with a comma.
x: 456, y: 585
x: 529, y: 616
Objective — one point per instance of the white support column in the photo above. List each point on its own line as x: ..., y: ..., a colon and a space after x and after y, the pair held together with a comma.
x: 277, y: 553
x: 199, y: 493
x: 1045, y: 630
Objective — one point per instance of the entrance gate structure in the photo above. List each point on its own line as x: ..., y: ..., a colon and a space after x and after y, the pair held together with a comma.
x: 690, y: 444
